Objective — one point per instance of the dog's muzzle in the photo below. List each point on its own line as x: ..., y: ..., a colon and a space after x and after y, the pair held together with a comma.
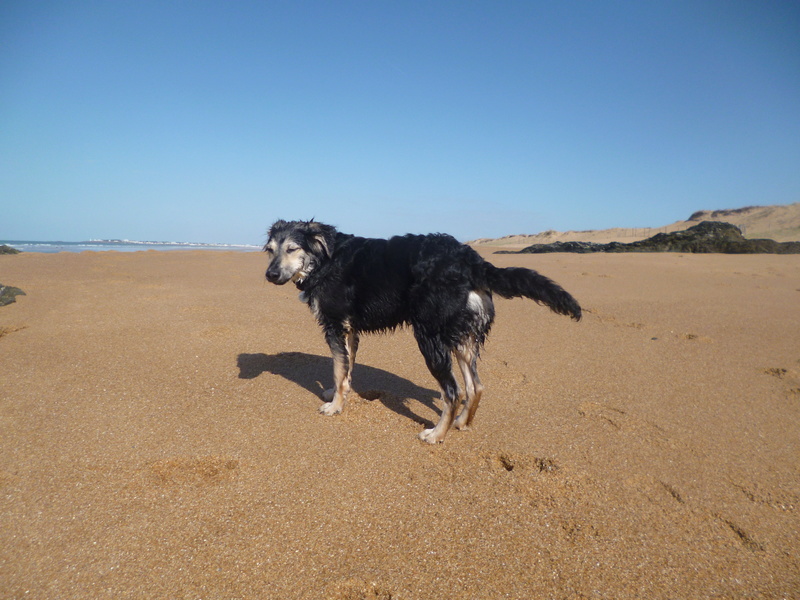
x: 275, y: 275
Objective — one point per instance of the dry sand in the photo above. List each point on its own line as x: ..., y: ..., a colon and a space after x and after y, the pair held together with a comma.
x: 159, y: 438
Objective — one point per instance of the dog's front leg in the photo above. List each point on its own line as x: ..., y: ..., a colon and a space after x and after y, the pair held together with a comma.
x: 343, y: 351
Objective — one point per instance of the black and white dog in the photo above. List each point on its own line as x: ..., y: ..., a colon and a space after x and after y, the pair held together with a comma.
x: 440, y: 287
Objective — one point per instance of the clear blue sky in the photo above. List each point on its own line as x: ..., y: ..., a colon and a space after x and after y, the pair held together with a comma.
x: 205, y: 121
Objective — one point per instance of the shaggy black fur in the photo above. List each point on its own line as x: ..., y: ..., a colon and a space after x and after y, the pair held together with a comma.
x: 440, y: 287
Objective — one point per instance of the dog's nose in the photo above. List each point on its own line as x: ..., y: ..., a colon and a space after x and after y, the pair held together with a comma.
x: 273, y: 275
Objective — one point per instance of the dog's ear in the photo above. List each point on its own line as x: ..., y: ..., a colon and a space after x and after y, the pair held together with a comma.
x: 321, y: 238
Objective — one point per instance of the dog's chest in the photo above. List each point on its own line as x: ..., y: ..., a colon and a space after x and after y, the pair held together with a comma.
x: 313, y: 303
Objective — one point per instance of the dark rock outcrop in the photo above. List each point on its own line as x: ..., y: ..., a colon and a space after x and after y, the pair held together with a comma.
x: 716, y: 215
x: 9, y: 294
x: 8, y: 249
x: 705, y: 237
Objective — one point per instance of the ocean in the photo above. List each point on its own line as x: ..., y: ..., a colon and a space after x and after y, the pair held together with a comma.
x: 120, y: 246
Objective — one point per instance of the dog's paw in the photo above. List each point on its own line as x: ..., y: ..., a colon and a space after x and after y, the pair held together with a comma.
x: 429, y: 436
x: 329, y: 409
x: 460, y: 422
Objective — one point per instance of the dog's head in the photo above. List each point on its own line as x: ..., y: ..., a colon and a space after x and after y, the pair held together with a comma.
x: 296, y: 248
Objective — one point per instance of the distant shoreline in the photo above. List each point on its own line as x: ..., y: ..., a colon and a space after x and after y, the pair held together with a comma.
x: 52, y: 247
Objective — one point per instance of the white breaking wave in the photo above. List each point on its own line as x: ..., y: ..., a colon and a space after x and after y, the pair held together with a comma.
x: 98, y: 245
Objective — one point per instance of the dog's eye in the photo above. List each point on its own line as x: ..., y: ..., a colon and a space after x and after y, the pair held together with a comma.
x: 292, y: 249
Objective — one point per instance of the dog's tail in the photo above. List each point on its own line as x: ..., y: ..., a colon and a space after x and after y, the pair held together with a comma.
x: 516, y: 282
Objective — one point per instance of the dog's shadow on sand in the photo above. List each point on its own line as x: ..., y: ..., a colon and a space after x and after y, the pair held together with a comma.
x: 309, y: 371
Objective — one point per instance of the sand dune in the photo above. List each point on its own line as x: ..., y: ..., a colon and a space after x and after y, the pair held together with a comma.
x: 159, y: 438
x: 779, y: 222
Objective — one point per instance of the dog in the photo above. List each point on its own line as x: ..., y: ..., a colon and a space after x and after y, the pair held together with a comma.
x: 433, y: 283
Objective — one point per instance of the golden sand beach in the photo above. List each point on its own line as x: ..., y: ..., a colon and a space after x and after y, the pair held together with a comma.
x: 159, y: 438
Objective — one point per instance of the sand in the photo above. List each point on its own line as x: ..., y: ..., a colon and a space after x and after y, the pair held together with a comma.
x: 776, y: 222
x: 159, y: 438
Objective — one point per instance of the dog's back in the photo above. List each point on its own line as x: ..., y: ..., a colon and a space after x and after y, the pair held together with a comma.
x: 379, y: 284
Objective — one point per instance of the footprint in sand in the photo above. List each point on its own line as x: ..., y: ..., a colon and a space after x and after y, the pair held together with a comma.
x: 8, y: 330
x: 778, y: 372
x: 789, y: 376
x: 743, y: 536
x: 612, y: 320
x: 607, y: 414
x: 508, y: 374
x: 194, y: 470
x: 577, y: 530
x: 694, y: 337
x: 522, y: 463
x: 657, y: 491
x: 358, y: 589
x: 619, y: 420
x: 778, y: 499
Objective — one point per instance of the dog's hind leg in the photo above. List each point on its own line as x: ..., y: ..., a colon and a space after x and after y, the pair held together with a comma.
x: 351, y: 344
x: 467, y: 357
x: 343, y: 347
x: 437, y: 357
